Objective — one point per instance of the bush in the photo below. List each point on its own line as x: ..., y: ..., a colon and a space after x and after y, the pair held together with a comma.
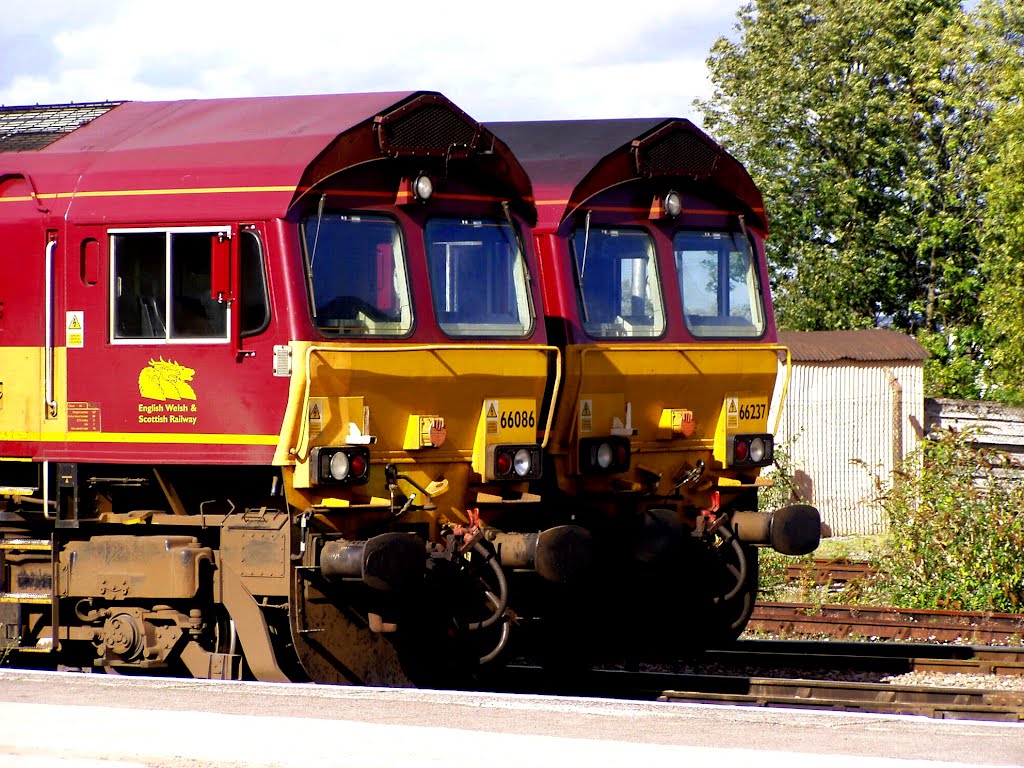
x: 772, y: 581
x: 956, y: 528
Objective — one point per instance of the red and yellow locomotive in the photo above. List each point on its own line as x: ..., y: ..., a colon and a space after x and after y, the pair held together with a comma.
x: 268, y: 369
x: 650, y: 243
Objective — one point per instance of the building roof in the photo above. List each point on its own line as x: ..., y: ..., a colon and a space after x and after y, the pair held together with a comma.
x: 865, y: 345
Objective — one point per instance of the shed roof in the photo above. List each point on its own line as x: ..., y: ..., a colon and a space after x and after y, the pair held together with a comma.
x: 865, y: 345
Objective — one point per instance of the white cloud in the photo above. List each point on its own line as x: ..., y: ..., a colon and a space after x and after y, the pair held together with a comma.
x: 533, y: 59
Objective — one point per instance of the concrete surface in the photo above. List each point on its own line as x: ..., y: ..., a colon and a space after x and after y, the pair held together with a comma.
x: 68, y: 720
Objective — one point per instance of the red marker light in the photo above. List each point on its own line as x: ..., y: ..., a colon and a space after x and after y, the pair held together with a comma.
x: 359, y: 465
x: 621, y: 455
x: 740, y: 451
x: 503, y: 463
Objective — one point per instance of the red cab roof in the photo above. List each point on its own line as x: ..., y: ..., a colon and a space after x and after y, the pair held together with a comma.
x: 277, y: 146
x: 569, y: 161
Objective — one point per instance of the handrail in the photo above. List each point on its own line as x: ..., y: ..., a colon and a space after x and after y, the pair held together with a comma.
x: 785, y: 391
x: 51, y: 404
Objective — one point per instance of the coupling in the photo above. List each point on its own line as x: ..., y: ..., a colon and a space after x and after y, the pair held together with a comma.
x: 792, y: 530
x: 390, y: 562
x: 563, y: 554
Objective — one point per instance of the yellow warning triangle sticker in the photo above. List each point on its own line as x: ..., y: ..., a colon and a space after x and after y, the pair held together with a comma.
x: 314, y: 411
x: 733, y: 405
x: 75, y: 324
x: 585, y: 410
x: 492, y: 412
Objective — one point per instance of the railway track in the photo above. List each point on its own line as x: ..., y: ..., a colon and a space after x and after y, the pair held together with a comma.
x: 881, y: 658
x: 878, y: 677
x: 879, y: 698
x: 860, y: 621
x: 824, y: 571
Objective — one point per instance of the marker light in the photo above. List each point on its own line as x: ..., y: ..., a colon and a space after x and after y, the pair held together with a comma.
x: 751, y: 450
x: 423, y: 187
x: 514, y: 462
x: 503, y: 463
x: 360, y: 465
x: 339, y: 466
x: 604, y: 455
x: 673, y: 204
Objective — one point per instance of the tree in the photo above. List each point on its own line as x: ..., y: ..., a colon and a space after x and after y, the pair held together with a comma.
x: 1001, y: 24
x: 857, y: 119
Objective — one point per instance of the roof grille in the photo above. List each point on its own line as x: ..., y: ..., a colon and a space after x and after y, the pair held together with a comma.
x: 427, y: 127
x: 676, y: 152
x: 27, y: 129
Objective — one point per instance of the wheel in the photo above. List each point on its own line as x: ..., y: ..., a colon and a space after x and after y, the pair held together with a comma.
x: 732, y: 575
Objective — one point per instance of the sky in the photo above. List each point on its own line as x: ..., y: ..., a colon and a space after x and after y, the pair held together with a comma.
x: 516, y: 60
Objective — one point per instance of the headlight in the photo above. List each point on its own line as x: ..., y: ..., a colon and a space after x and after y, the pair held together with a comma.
x: 339, y: 466
x: 523, y: 462
x: 751, y: 450
x: 757, y: 450
x: 423, y: 187
x: 672, y: 204
x: 514, y: 462
x: 604, y: 455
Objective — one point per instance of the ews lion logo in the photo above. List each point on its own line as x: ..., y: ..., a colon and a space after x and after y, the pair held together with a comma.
x: 166, y: 380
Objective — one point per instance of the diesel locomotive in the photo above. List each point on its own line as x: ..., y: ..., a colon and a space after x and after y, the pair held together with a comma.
x: 650, y: 241
x: 271, y: 373
x: 341, y: 388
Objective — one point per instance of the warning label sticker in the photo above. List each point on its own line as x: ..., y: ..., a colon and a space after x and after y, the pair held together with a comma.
x: 732, y: 413
x: 316, y: 415
x: 75, y: 329
x: 491, y: 409
x: 586, y: 415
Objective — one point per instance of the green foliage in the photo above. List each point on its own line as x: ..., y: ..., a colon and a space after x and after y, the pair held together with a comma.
x: 1003, y: 222
x: 956, y: 366
x: 772, y: 580
x: 888, y: 139
x: 956, y: 526
x: 853, y: 118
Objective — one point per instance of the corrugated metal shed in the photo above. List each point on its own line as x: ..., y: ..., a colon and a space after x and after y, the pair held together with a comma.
x: 854, y: 410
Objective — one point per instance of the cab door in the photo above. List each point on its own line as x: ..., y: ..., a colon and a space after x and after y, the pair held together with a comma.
x: 164, y: 377
x: 27, y: 254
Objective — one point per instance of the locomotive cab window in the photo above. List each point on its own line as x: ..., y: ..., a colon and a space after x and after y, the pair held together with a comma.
x: 160, y: 286
x: 617, y: 284
x: 478, y: 278
x: 357, y: 274
x: 719, y: 285
x: 254, y: 301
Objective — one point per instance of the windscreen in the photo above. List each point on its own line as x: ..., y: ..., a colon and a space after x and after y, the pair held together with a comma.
x: 617, y: 283
x: 478, y: 278
x: 357, y: 274
x: 719, y: 285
